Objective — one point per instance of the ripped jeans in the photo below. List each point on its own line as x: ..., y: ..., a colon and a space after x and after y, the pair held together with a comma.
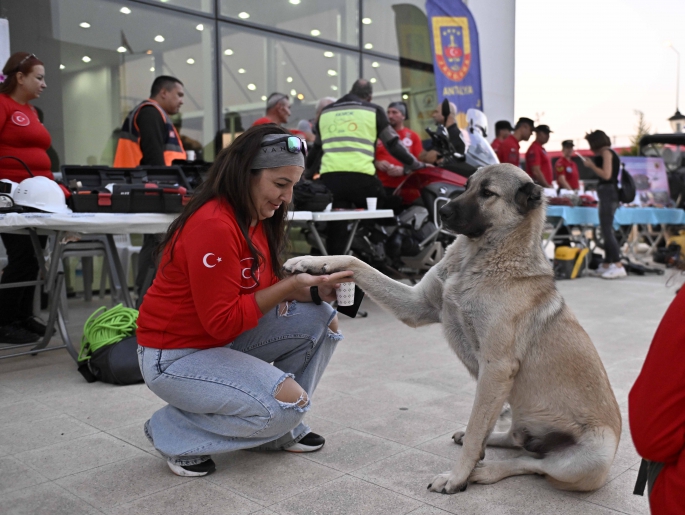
x: 223, y: 399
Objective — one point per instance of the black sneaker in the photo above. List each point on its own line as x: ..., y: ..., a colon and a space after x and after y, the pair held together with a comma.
x: 14, y: 333
x: 310, y: 443
x: 201, y: 469
x: 35, y: 325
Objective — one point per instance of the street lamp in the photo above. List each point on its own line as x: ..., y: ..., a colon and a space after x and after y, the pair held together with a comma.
x: 677, y: 121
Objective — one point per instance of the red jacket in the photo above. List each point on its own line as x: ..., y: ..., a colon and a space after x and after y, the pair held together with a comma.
x: 204, y: 296
x: 656, y: 409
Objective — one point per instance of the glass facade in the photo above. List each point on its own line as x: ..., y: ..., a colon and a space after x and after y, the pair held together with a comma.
x: 101, y: 57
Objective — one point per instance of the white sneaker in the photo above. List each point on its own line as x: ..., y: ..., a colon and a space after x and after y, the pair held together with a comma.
x: 614, y: 272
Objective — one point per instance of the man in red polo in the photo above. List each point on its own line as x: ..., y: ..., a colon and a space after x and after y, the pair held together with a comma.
x: 567, y: 171
x: 538, y: 164
x: 509, y: 149
x: 503, y: 130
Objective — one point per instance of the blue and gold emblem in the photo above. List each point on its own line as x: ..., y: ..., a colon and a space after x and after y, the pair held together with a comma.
x: 452, y: 45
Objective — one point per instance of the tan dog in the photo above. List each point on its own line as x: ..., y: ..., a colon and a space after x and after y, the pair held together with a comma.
x: 495, y: 295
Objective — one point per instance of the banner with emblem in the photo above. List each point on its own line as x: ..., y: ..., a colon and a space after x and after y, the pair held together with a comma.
x: 456, y: 55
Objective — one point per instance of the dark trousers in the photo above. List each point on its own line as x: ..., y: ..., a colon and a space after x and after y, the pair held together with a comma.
x: 350, y: 190
x: 147, y: 263
x: 608, y: 203
x: 16, y: 304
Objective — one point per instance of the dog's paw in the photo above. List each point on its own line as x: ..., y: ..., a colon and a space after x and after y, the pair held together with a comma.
x: 487, y: 473
x: 307, y: 264
x: 458, y: 437
x: 447, y: 483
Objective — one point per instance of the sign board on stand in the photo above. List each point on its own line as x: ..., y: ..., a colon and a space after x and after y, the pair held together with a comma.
x: 651, y: 180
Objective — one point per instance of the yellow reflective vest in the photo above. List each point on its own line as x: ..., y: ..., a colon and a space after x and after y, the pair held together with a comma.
x: 348, y: 139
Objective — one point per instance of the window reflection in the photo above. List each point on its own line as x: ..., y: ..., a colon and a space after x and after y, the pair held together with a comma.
x: 196, y: 5
x: 396, y: 28
x: 108, y: 68
x: 332, y: 20
x: 255, y: 64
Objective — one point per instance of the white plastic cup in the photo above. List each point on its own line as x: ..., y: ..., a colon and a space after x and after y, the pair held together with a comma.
x: 371, y: 203
x: 345, y: 294
x: 190, y: 155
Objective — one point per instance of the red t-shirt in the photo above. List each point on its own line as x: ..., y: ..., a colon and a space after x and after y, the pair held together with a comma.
x: 22, y: 136
x: 569, y: 170
x: 496, y: 144
x: 411, y: 142
x: 204, y: 296
x: 656, y: 409
x: 508, y: 151
x: 537, y: 156
x: 264, y: 120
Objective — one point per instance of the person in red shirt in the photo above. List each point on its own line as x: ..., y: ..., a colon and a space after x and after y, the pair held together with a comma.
x: 567, y: 171
x: 22, y: 136
x: 509, y: 149
x: 503, y: 130
x: 538, y: 164
x: 388, y: 169
x: 278, y: 112
x: 656, y: 410
x: 234, y: 348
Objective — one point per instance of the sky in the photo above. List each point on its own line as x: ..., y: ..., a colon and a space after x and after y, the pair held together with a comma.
x: 583, y: 65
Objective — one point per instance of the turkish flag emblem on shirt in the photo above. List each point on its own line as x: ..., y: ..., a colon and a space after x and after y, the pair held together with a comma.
x: 20, y: 119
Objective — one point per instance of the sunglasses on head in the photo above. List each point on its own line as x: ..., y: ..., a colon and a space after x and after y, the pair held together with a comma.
x: 24, y: 60
x: 294, y: 145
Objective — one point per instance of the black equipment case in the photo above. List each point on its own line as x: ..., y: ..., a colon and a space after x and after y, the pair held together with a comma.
x: 146, y: 189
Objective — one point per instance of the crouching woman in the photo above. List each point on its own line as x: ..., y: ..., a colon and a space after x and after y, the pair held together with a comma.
x: 235, y: 349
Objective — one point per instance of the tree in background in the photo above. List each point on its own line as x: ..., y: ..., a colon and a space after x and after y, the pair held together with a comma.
x: 643, y: 129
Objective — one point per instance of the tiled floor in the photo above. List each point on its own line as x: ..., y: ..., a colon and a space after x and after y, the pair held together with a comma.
x: 388, y: 404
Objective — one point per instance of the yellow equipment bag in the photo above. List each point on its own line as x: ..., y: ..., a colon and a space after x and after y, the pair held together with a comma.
x: 569, y: 262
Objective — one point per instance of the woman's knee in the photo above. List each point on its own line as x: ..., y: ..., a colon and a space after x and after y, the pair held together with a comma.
x: 289, y: 392
x: 333, y: 326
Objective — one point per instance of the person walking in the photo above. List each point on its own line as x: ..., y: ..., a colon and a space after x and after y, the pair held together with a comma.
x: 22, y: 137
x: 233, y: 347
x: 566, y: 169
x: 388, y: 169
x: 538, y: 164
x: 347, y: 131
x: 510, y: 149
x: 503, y: 130
x: 606, y: 165
x: 148, y: 138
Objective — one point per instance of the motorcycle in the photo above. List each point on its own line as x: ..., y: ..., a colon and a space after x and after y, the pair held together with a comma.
x: 418, y: 241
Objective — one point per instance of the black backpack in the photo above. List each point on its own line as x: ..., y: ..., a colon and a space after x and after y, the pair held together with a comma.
x: 311, y: 196
x: 115, y: 364
x: 627, y: 189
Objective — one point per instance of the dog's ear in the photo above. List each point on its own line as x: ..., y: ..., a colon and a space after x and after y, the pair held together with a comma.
x: 529, y: 197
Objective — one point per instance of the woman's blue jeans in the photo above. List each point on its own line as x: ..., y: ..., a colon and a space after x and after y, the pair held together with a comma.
x: 223, y: 399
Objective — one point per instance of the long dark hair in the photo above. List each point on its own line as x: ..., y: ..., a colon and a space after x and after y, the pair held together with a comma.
x: 597, y: 140
x: 18, y: 62
x: 229, y: 179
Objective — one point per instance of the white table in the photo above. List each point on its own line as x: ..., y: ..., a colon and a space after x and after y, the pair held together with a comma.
x: 354, y: 215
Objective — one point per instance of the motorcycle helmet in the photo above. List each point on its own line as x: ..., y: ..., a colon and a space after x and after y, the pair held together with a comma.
x: 41, y: 193
x: 476, y: 119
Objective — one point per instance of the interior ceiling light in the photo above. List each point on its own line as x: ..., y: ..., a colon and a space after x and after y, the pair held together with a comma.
x: 293, y: 92
x: 200, y: 27
x: 375, y: 64
x: 243, y: 15
x: 334, y: 87
x: 264, y: 98
x: 328, y: 54
x: 62, y: 67
x: 289, y: 79
x: 373, y: 80
x: 368, y: 46
x: 121, y: 49
x: 125, y: 10
x: 295, y: 2
x: 315, y: 32
x: 152, y: 69
x: 84, y: 25
x: 190, y: 60
x: 241, y: 70
x: 332, y: 73
x: 251, y: 87
x: 405, y: 96
x: 85, y: 59
x: 300, y: 96
x: 228, y: 51
x: 159, y: 38
x: 148, y: 52
x: 366, y: 21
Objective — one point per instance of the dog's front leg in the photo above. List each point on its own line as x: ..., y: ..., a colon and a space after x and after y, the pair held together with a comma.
x: 495, y: 380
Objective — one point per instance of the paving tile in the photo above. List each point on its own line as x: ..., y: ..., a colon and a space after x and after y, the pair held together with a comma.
x: 618, y: 495
x: 348, y: 450
x: 320, y: 425
x: 134, y: 435
x: 408, y: 427
x: 401, y: 393
x: 16, y: 438
x: 348, y: 410
x: 121, y: 482
x: 39, y: 381
x: 78, y: 455
x: 25, y: 411
x: 14, y: 475
x: 587, y: 508
x: 45, y: 499
x: 428, y: 510
x: 347, y: 495
x: 268, y: 477
x: 445, y: 447
x: 456, y: 408
x: 9, y: 395
x: 197, y: 496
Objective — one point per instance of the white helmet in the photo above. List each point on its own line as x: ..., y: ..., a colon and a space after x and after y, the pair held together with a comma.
x: 12, y: 185
x: 41, y: 193
x: 476, y: 119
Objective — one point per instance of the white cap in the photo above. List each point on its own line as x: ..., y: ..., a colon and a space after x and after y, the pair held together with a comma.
x: 41, y: 193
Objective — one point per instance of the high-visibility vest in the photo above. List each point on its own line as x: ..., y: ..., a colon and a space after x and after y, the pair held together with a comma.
x: 129, y: 155
x: 348, y: 138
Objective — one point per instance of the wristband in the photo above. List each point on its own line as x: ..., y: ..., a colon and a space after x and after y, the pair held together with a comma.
x: 314, y: 292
